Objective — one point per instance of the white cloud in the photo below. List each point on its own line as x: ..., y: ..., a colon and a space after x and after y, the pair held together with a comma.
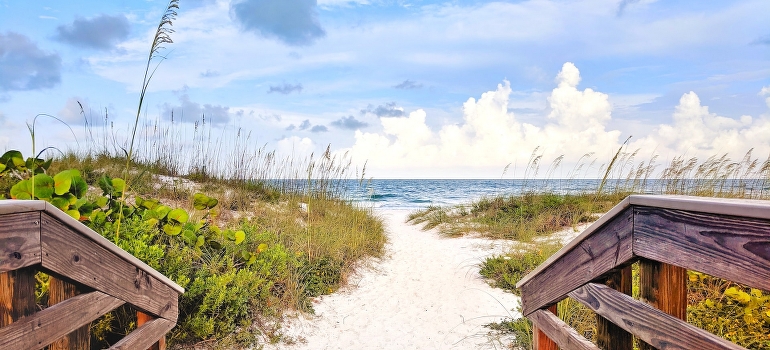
x: 295, y: 146
x: 697, y: 132
x: 766, y: 92
x: 490, y: 136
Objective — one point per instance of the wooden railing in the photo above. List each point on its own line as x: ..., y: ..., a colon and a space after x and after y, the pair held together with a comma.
x: 667, y: 235
x: 89, y: 277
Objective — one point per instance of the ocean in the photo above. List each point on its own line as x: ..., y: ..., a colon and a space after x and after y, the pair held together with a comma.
x: 417, y: 194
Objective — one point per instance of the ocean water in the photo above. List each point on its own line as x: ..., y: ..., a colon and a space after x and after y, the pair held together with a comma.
x: 417, y: 194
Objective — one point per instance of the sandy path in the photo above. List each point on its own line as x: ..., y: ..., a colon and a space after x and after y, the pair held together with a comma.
x: 425, y: 294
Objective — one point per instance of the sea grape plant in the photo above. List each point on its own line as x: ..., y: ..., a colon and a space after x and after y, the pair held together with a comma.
x: 67, y: 191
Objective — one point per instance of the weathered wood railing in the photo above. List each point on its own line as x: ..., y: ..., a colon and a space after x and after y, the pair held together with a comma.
x: 89, y: 277
x: 667, y: 235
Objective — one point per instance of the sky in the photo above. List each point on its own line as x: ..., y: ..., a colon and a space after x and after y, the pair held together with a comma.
x: 411, y: 88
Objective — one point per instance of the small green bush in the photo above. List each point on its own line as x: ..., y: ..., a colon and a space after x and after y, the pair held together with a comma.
x: 505, y: 271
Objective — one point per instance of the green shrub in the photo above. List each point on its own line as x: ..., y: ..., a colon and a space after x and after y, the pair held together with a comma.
x: 505, y: 271
x: 729, y: 310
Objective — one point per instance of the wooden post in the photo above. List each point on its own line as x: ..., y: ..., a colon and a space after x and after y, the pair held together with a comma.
x: 17, y: 295
x: 142, y: 318
x: 540, y: 341
x: 60, y: 290
x: 608, y: 335
x: 663, y: 286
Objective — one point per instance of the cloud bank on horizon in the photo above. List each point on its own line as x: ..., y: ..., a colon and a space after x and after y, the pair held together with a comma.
x: 385, y: 80
x: 490, y: 135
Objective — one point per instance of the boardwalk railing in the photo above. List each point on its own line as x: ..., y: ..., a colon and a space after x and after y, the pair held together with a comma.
x: 667, y: 235
x: 89, y: 277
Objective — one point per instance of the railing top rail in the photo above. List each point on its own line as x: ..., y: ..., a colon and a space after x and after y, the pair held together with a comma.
x: 749, y: 208
x: 22, y: 206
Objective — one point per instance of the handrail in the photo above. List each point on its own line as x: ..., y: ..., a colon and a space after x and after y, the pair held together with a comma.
x: 667, y: 235
x: 90, y: 272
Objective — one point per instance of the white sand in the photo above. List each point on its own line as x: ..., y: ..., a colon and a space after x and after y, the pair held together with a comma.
x: 425, y: 294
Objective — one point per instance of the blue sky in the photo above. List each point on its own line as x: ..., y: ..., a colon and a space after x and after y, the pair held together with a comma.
x: 441, y: 89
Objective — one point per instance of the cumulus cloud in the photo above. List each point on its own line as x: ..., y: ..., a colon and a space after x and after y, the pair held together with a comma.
x: 293, y: 22
x: 295, y: 145
x: 766, y: 92
x: 697, y: 132
x: 350, y: 123
x: 24, y: 66
x: 319, y: 128
x: 285, y: 88
x: 574, y: 124
x: 302, y: 126
x: 189, y: 111
x: 387, y: 110
x: 100, y: 33
x: 408, y: 85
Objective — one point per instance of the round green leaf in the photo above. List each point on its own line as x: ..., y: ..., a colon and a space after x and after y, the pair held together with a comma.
x: 239, y: 236
x: 178, y: 215
x: 119, y: 185
x: 43, y: 186
x: 172, y: 229
x: 22, y: 190
x: 101, y: 202
x: 189, y: 236
x: 74, y: 213
x: 62, y: 182
x: 200, y: 241
x: 79, y: 186
x: 162, y: 211
x: 60, y: 203
x: 199, y: 201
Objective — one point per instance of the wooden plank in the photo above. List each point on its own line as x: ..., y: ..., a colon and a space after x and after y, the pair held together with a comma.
x: 70, y: 254
x: 540, y: 340
x: 42, y: 328
x: 721, y: 206
x: 19, y: 240
x: 142, y: 318
x: 748, y: 208
x: 664, y: 287
x: 733, y: 248
x: 19, y: 206
x: 558, y: 331
x: 599, y: 253
x: 608, y: 335
x: 144, y: 336
x: 651, y: 325
x: 17, y: 295
x: 596, y: 225
x: 60, y: 290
